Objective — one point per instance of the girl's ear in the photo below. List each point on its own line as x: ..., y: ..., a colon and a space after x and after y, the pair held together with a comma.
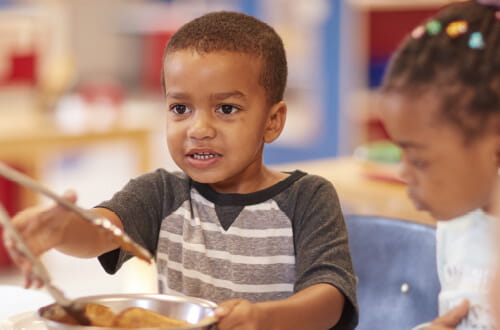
x: 275, y: 122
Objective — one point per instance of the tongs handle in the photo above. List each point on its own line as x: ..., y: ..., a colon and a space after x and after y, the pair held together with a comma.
x: 116, y: 233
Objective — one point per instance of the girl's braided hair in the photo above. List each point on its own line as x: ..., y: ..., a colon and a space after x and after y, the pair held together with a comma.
x: 462, y: 68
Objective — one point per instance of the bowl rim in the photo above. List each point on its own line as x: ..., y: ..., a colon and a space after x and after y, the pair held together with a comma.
x: 156, y: 296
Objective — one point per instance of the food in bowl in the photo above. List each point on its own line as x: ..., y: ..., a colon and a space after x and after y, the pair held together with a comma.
x: 99, y: 315
x: 187, y: 313
x: 136, y: 317
x: 131, y: 317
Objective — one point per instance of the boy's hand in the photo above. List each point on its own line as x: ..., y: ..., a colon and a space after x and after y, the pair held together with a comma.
x: 451, y: 319
x: 240, y: 314
x: 42, y: 228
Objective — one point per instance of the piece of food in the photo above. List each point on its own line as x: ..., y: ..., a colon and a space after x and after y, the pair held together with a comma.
x: 58, y: 314
x: 99, y: 315
x: 136, y: 317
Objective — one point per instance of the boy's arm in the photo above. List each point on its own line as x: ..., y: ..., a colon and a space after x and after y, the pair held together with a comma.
x: 318, y: 307
x: 44, y: 228
x: 84, y: 240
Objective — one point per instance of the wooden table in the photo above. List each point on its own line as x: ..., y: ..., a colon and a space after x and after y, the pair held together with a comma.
x: 27, y: 142
x: 359, y: 193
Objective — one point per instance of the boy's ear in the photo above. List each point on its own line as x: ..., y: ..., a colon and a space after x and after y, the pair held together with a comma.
x: 275, y: 122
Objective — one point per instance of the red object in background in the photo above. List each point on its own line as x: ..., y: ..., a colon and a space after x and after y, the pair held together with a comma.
x: 387, y: 28
x: 96, y: 91
x: 9, y: 196
x: 22, y: 69
x: 154, y: 45
x: 376, y: 130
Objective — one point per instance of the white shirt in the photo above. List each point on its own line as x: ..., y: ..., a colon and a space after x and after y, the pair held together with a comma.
x: 465, y: 258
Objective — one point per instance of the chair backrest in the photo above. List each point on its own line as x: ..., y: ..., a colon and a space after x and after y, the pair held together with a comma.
x: 395, y: 263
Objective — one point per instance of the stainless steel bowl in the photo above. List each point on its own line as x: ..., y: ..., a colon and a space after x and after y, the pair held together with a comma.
x: 189, y: 309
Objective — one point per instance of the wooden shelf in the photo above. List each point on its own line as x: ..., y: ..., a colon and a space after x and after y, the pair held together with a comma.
x: 28, y: 143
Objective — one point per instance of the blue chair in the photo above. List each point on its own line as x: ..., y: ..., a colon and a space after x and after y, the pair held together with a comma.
x: 395, y: 263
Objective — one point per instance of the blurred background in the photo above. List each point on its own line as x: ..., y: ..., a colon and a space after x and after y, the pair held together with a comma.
x: 81, y: 105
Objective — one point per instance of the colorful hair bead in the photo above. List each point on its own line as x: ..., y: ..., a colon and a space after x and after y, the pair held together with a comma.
x: 418, y: 32
x: 433, y: 27
x: 476, y: 40
x: 456, y: 28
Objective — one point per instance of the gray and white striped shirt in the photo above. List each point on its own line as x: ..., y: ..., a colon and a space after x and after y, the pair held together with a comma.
x: 260, y: 246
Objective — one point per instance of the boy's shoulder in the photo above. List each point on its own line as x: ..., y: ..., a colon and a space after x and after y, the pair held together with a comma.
x: 303, y: 183
x: 165, y: 175
x: 162, y: 180
x: 312, y: 181
x: 308, y: 189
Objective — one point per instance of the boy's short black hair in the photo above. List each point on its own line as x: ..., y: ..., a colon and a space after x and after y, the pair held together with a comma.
x: 237, y: 32
x: 465, y: 78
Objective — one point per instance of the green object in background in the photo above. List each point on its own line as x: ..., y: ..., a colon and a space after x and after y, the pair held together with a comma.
x: 380, y: 151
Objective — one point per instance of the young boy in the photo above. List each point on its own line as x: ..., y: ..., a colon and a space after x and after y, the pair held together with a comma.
x: 271, y: 248
x: 441, y: 105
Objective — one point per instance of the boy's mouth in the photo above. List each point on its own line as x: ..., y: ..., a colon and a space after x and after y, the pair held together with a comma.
x: 203, y: 155
x: 203, y: 159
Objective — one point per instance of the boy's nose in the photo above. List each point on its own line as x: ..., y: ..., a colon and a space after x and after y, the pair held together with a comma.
x: 201, y: 127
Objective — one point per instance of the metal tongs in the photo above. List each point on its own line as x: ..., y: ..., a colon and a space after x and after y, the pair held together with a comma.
x: 74, y: 310
x: 103, y: 224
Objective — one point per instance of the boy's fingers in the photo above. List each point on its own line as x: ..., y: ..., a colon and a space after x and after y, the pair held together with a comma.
x: 24, y: 265
x: 31, y: 279
x: 28, y: 280
x: 226, y: 307
x: 454, y: 316
x: 70, y: 196
x: 38, y: 283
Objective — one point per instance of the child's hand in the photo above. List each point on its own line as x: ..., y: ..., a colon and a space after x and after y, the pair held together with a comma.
x: 42, y: 228
x: 240, y: 314
x: 451, y: 319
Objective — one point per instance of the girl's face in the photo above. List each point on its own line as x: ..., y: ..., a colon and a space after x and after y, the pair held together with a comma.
x: 445, y: 176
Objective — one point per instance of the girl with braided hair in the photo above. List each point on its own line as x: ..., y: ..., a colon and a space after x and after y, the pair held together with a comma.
x: 441, y: 104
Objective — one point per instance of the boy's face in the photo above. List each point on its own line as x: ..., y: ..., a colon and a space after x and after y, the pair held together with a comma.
x: 218, y: 119
x: 445, y: 176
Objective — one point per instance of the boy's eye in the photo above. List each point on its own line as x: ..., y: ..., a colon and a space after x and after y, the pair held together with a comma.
x: 227, y: 109
x: 179, y: 109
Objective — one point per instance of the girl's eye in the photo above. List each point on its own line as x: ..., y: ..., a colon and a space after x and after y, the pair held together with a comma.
x: 180, y: 109
x: 227, y: 109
